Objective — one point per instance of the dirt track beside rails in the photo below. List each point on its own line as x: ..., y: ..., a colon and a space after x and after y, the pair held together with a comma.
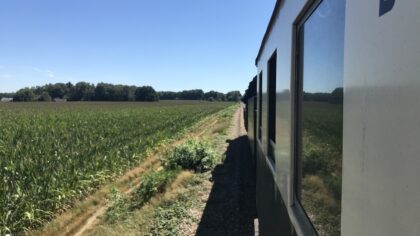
x: 230, y: 208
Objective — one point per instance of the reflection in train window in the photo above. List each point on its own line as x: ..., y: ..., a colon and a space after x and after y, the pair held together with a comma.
x: 260, y: 105
x: 271, y: 89
x: 320, y: 116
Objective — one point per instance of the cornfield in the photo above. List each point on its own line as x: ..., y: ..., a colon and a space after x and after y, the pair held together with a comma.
x: 54, y: 153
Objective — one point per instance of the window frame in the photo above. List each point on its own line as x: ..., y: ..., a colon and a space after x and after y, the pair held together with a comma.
x: 260, y: 96
x: 305, y: 225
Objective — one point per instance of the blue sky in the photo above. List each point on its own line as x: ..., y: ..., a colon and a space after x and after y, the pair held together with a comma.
x: 170, y: 45
x: 324, y: 48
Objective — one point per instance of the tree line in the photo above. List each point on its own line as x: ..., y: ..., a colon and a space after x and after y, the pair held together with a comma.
x: 251, y: 91
x: 198, y: 94
x: 336, y: 96
x: 83, y: 91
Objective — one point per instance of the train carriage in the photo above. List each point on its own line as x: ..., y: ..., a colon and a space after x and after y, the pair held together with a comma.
x: 335, y: 121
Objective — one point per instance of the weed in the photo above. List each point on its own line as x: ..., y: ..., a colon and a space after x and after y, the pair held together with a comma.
x: 119, y: 207
x: 198, y: 156
x: 167, y: 218
x: 153, y: 183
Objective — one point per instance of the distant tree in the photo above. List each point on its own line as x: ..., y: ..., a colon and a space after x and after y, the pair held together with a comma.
x: 118, y: 93
x: 146, y: 93
x: 168, y: 95
x: 129, y: 93
x: 24, y: 95
x: 82, y: 91
x: 316, y: 97
x: 104, y: 92
x: 215, y: 95
x: 7, y: 95
x: 251, y: 90
x: 44, y: 97
x: 110, y: 92
x: 121, y: 92
x: 194, y: 94
x: 58, y: 90
x: 100, y: 92
x: 38, y: 90
x: 233, y: 96
x: 70, y: 87
x: 337, y: 96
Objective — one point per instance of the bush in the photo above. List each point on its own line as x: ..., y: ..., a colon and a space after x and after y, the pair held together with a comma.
x: 192, y: 155
x: 153, y: 183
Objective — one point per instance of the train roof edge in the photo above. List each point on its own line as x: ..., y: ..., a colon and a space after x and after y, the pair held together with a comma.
x: 269, y: 27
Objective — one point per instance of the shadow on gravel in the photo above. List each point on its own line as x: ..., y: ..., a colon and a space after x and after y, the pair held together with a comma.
x: 231, y: 209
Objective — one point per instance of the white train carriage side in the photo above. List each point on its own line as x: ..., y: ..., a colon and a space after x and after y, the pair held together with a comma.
x: 335, y: 123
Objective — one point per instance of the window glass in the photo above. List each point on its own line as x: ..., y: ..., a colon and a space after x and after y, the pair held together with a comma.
x: 320, y: 78
x: 271, y: 88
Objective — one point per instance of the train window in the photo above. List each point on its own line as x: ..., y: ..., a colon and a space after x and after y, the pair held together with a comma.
x: 271, y: 88
x: 260, y: 105
x: 320, y: 115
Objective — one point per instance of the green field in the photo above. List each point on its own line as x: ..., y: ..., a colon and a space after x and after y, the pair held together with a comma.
x: 54, y: 153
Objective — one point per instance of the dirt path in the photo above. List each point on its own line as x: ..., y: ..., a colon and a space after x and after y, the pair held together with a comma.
x: 230, y: 207
x: 238, y: 128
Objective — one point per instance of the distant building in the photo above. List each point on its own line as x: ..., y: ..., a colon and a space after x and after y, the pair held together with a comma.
x: 5, y: 99
x: 60, y: 100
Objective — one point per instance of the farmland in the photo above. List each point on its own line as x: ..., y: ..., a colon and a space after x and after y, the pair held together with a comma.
x: 54, y: 153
